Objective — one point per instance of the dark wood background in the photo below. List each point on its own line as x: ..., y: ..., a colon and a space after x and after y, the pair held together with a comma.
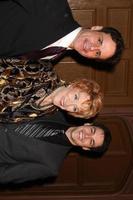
x: 111, y: 176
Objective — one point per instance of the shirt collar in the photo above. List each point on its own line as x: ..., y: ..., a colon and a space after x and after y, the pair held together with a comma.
x: 67, y: 40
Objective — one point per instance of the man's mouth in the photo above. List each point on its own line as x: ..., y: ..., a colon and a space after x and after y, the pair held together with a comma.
x: 81, y: 135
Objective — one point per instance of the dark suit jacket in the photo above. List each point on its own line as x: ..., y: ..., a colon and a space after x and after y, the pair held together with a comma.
x: 27, y: 25
x: 26, y: 159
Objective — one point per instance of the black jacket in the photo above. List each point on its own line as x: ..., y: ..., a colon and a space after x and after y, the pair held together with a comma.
x: 26, y: 159
x: 27, y: 25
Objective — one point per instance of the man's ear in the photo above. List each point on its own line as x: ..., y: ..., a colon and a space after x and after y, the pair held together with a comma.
x: 86, y: 149
x: 96, y: 28
x: 89, y: 124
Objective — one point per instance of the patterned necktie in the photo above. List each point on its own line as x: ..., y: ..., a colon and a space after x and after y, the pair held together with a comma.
x: 37, y: 130
x: 36, y: 55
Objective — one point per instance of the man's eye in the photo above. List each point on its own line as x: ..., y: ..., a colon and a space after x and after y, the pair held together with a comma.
x: 100, y: 41
x: 93, y: 130
x: 98, y: 53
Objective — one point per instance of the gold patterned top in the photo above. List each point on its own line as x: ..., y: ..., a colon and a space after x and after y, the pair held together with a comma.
x: 22, y: 83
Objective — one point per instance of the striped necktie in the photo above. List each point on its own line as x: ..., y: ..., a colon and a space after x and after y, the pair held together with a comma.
x: 37, y: 130
x: 36, y: 55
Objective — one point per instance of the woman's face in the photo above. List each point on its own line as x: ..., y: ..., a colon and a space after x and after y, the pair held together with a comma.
x: 70, y: 99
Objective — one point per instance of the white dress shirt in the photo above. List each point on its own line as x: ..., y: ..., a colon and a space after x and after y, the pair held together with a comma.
x: 64, y: 41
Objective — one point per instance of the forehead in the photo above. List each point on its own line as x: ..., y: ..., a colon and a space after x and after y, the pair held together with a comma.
x: 99, y: 137
x: 108, y: 46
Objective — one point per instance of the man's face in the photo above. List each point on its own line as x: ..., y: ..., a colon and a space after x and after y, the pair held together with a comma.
x: 94, y: 44
x: 87, y: 136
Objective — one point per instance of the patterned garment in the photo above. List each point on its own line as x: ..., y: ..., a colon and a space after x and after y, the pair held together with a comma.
x: 21, y: 84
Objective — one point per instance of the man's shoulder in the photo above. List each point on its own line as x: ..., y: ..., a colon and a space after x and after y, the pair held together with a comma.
x: 55, y: 117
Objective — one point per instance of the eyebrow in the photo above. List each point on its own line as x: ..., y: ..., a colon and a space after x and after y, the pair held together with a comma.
x: 92, y: 143
x: 93, y: 130
x: 80, y: 109
x: 102, y: 42
x: 78, y: 95
x: 99, y: 54
x: 102, y: 37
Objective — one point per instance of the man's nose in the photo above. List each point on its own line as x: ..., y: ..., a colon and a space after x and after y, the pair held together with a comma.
x: 88, y: 134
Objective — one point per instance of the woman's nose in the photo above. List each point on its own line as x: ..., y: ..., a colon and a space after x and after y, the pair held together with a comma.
x: 69, y: 108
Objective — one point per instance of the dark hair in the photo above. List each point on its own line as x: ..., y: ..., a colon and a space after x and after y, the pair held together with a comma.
x: 107, y: 139
x: 117, y: 38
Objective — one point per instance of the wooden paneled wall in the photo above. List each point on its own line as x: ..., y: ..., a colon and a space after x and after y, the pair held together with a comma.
x: 111, y: 176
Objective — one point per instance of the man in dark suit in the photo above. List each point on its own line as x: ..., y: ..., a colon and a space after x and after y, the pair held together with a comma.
x: 31, y: 151
x: 33, y: 25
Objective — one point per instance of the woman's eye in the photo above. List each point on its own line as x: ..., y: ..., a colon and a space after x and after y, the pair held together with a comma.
x: 74, y: 109
x: 75, y: 96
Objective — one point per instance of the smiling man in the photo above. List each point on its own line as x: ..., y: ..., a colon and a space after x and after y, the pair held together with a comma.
x: 94, y: 44
x: 89, y: 137
x: 36, y: 150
